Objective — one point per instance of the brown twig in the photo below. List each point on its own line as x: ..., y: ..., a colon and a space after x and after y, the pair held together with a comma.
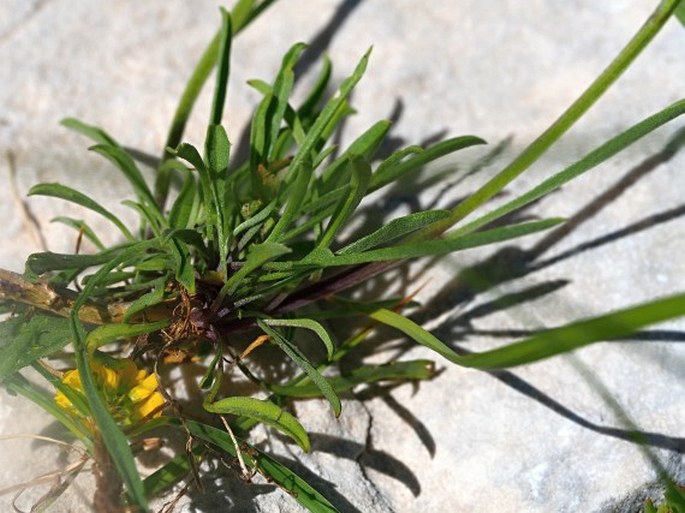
x: 15, y: 288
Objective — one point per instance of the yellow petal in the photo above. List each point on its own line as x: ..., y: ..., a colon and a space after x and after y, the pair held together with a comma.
x: 62, y: 401
x: 72, y: 379
x: 109, y: 378
x: 150, y: 382
x: 154, y: 402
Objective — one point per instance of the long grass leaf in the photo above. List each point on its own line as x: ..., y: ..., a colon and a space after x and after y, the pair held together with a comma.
x: 359, y: 183
x: 297, y: 487
x: 82, y: 227
x: 550, y: 342
x: 572, y: 114
x: 296, y: 195
x: 265, y: 412
x: 306, y: 324
x: 328, y: 113
x: 366, y: 374
x: 64, y: 192
x: 388, y: 173
x: 115, y: 441
x: 128, y: 167
x: 395, y: 229
x: 364, y: 146
x: 591, y: 160
x: 296, y: 356
x: 95, y: 133
x: 223, y: 67
x: 322, y: 257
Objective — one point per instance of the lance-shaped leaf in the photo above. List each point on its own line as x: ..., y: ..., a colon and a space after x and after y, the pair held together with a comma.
x: 549, y: 342
x: 395, y: 371
x: 301, y: 361
x: 56, y: 190
x: 359, y: 183
x: 265, y: 412
x: 23, y: 341
x: 307, y: 324
x: 395, y: 229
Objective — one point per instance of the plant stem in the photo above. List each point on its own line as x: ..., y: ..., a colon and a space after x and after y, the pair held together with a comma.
x: 14, y: 288
x: 540, y: 145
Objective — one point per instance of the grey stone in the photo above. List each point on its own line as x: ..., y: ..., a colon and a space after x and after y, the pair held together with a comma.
x: 544, y: 437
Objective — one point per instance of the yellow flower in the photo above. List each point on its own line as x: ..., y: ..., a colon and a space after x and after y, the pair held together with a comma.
x: 132, y: 395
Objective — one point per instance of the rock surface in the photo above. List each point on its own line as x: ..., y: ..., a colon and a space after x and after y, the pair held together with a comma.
x: 544, y: 437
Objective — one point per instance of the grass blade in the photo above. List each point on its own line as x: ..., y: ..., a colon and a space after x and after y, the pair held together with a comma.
x: 395, y: 167
x: 307, y: 324
x: 95, y: 133
x: 592, y: 159
x: 296, y: 356
x: 325, y: 258
x: 82, y: 227
x: 394, y: 230
x: 128, y: 167
x: 540, y: 145
x: 297, y: 487
x: 265, y: 412
x: 364, y: 375
x: 359, y: 183
x: 548, y: 343
x: 66, y: 193
x: 223, y: 67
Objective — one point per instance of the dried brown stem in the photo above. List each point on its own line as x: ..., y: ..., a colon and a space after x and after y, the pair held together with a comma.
x: 15, y: 288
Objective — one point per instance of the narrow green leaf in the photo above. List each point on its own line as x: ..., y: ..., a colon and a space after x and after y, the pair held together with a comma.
x: 103, y: 335
x: 169, y: 474
x: 601, y: 154
x: 329, y: 112
x: 25, y: 340
x: 95, y: 133
x: 364, y: 146
x: 179, y: 215
x: 359, y: 183
x: 296, y: 196
x: 283, y: 86
x: 190, y: 154
x: 56, y: 190
x: 296, y: 356
x: 81, y: 226
x: 548, y: 343
x: 255, y: 219
x: 393, y: 230
x: 128, y: 167
x: 184, y: 270
x: 265, y: 412
x: 40, y: 263
x: 680, y: 12
x: 154, y: 297
x: 306, y: 324
x: 258, y: 256
x: 366, y: 374
x: 390, y: 172
x: 115, y: 441
x: 297, y: 487
x: 419, y: 249
x: 573, y: 113
x: 223, y: 67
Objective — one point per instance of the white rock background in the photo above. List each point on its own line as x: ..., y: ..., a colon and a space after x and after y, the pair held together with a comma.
x: 488, y: 68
